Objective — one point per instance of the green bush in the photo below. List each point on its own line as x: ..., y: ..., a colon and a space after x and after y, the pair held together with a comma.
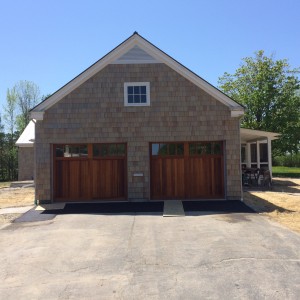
x: 287, y: 160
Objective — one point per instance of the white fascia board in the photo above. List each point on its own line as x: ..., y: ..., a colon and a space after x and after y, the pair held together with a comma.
x: 237, y: 113
x: 37, y: 115
x: 259, y: 134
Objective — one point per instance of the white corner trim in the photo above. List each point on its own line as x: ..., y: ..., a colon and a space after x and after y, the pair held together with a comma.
x: 37, y: 115
x: 237, y: 113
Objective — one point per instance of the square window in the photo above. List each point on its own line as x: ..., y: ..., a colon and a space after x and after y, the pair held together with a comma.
x: 180, y: 149
x: 172, y: 149
x: 163, y: 149
x: 155, y: 149
x: 130, y: 98
x: 136, y: 93
x: 192, y: 149
x: 121, y: 149
x: 137, y: 98
x: 104, y: 151
x: 130, y: 90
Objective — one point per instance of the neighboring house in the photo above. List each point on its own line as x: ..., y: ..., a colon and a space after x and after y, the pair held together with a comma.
x: 25, y: 145
x: 137, y: 126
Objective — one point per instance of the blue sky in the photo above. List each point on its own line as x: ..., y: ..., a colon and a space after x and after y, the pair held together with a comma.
x: 50, y: 42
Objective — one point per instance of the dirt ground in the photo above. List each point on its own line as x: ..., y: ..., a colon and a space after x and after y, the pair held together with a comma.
x: 281, y: 203
x: 15, y: 197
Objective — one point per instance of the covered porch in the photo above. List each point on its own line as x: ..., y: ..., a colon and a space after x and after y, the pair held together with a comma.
x: 256, y: 151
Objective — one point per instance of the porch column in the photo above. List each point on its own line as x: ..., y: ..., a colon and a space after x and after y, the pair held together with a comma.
x: 269, y: 142
x: 258, y: 154
x: 248, y: 155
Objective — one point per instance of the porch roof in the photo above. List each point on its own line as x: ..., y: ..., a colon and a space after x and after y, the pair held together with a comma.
x: 26, y: 139
x: 251, y: 135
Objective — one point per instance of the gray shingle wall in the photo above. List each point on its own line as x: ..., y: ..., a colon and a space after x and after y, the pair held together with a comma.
x: 95, y: 112
x: 25, y: 163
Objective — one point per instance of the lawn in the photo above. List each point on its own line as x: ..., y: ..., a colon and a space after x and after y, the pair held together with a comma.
x: 286, y: 172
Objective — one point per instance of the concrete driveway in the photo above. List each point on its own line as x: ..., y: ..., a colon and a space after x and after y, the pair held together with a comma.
x: 199, y: 256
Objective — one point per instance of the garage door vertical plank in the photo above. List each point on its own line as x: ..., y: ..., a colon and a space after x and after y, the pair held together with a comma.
x: 74, y: 185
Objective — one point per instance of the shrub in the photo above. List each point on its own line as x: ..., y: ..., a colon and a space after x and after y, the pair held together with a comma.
x: 287, y: 160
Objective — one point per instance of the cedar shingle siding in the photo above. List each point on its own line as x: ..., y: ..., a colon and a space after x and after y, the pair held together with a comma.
x: 25, y: 163
x: 95, y: 113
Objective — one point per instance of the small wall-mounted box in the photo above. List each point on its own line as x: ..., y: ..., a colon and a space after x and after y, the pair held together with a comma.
x: 138, y: 174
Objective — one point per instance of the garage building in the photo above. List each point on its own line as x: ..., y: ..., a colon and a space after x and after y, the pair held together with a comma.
x: 137, y: 126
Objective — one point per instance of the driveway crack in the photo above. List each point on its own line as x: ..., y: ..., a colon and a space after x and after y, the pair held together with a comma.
x: 131, y: 233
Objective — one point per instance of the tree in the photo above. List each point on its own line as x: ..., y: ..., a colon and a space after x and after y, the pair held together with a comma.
x: 269, y: 89
x: 44, y: 97
x: 10, y: 161
x: 19, y: 100
x: 2, y: 151
x: 10, y: 110
x: 28, y: 95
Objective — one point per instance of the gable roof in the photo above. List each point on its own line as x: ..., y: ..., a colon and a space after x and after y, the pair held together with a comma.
x: 26, y: 139
x: 136, y: 49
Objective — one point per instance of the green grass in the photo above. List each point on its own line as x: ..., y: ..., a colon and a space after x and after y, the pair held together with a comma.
x: 5, y: 184
x: 286, y: 172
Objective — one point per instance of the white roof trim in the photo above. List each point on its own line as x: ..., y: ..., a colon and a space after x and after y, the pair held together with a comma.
x: 118, y: 52
x: 37, y: 115
x: 237, y: 113
x: 27, y: 137
x: 251, y: 135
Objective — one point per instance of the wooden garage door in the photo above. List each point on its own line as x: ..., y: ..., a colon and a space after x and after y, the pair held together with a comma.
x: 89, y: 172
x: 187, y: 170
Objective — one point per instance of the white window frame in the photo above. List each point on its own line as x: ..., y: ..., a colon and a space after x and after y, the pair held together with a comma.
x: 127, y: 84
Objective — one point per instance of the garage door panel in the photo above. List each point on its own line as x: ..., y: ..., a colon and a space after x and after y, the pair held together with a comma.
x: 108, y: 179
x: 74, y: 179
x: 179, y: 184
x: 84, y: 180
x: 197, y: 178
x: 166, y: 175
x: 156, y: 176
x: 95, y: 178
x: 61, y: 179
x: 119, y: 170
x: 219, y: 180
x: 88, y: 177
x: 196, y: 173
